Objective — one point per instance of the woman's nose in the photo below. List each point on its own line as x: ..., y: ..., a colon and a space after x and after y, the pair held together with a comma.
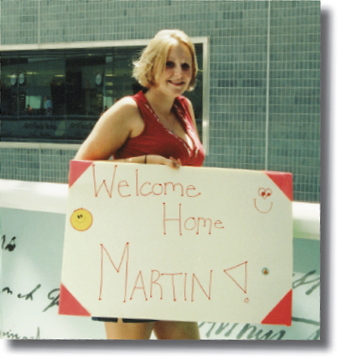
x: 178, y: 70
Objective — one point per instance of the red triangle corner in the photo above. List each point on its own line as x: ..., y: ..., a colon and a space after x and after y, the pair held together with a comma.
x: 283, y: 181
x: 281, y: 314
x: 77, y: 168
x: 69, y: 305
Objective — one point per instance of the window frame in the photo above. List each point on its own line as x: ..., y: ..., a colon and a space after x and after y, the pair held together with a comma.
x: 204, y: 41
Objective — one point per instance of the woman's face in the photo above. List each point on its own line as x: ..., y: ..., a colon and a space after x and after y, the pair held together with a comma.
x: 176, y: 77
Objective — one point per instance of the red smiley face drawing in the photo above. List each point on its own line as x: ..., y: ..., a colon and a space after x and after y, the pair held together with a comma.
x: 265, y: 207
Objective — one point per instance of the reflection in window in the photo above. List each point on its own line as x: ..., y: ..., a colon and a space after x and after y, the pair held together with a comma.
x: 58, y: 95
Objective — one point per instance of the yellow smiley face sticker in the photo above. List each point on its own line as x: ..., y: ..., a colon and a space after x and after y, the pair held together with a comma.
x: 81, y: 219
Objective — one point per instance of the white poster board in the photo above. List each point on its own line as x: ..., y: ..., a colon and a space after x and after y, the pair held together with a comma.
x: 194, y: 244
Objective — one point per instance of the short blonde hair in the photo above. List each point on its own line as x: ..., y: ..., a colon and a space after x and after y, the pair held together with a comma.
x: 154, y: 57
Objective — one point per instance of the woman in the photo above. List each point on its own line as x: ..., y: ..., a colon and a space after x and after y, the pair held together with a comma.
x: 156, y: 126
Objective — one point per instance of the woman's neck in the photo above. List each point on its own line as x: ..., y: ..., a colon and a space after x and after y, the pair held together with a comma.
x: 160, y: 103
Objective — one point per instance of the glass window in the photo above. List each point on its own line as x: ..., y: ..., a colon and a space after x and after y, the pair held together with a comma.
x: 29, y: 84
x: 58, y: 95
x: 9, y: 87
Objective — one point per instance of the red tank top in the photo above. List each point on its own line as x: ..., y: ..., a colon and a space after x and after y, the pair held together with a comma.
x: 157, y: 139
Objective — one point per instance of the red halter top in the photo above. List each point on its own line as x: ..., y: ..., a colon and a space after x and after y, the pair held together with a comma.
x: 157, y: 139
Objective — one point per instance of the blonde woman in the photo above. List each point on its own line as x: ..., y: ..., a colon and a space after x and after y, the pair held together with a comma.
x: 155, y: 126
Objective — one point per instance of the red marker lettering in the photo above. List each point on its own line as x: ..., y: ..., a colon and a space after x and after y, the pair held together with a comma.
x: 109, y: 191
x: 217, y: 223
x: 192, y: 224
x: 139, y: 276
x: 204, y: 224
x: 152, y: 282
x: 123, y: 184
x: 125, y: 253
x: 194, y: 277
x: 173, y: 219
x: 173, y: 187
x: 172, y: 281
x: 160, y: 190
x: 191, y: 187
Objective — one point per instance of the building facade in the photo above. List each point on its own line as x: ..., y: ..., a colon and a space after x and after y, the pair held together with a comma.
x: 259, y: 87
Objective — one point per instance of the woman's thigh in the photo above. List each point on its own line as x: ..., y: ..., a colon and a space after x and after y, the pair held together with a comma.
x: 121, y: 330
x: 176, y: 330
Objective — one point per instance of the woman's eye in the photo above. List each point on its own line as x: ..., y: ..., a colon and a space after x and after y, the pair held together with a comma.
x: 185, y: 67
x: 170, y: 64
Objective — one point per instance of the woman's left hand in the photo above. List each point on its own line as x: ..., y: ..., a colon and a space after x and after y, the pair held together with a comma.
x: 158, y: 159
x: 176, y: 163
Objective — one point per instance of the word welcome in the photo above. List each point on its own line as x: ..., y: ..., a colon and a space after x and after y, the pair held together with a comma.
x: 140, y: 188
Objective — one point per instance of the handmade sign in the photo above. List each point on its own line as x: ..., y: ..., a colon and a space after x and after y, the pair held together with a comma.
x: 187, y: 244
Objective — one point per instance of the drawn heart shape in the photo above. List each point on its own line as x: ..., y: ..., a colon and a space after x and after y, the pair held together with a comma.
x: 264, y: 193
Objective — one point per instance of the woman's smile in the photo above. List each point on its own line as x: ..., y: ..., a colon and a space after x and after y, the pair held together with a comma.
x: 176, y: 83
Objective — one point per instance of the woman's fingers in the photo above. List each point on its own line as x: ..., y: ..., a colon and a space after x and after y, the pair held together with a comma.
x: 175, y: 163
x: 158, y: 159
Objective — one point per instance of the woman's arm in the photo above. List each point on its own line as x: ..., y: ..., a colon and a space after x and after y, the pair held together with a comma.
x: 112, y: 130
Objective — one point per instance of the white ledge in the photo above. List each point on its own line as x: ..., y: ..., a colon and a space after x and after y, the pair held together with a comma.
x: 33, y: 196
x: 306, y: 220
x: 51, y: 197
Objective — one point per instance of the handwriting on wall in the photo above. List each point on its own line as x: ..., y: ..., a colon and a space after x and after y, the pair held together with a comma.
x: 52, y: 296
x: 311, y: 280
x: 12, y: 335
x: 309, y: 284
x: 254, y: 332
x: 10, y: 246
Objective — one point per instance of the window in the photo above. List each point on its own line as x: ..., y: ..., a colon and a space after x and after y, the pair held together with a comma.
x: 57, y: 95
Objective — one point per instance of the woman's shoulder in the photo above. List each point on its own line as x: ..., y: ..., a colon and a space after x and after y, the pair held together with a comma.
x: 127, y: 102
x: 185, y: 104
x: 184, y: 101
x: 126, y: 107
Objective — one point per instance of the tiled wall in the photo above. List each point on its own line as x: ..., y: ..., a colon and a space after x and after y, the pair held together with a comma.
x: 294, y: 105
x: 241, y: 35
x: 41, y: 163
